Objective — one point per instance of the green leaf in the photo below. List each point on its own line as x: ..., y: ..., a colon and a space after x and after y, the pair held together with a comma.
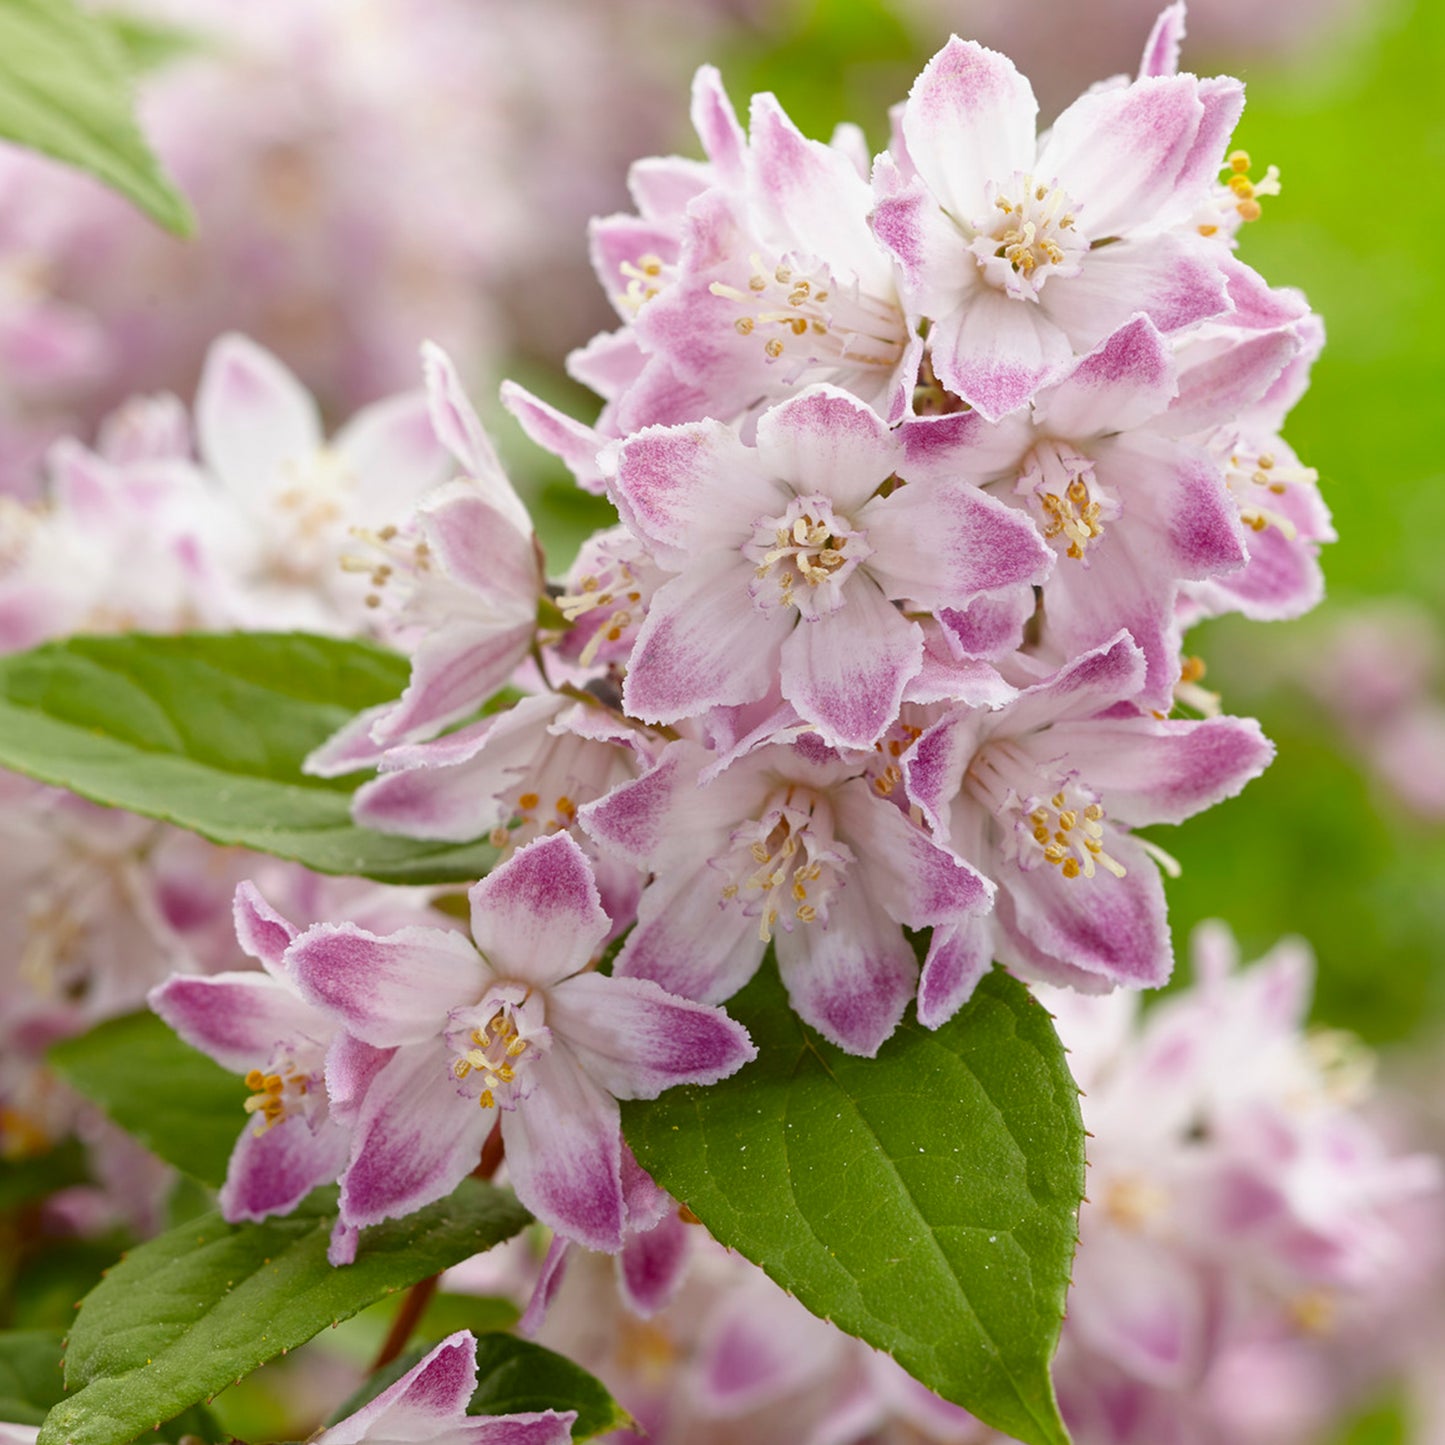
x: 189, y: 1313
x: 925, y: 1201
x: 515, y: 1375
x: 149, y: 44
x: 209, y: 732
x: 30, y: 1378
x: 65, y: 90
x: 180, y: 1104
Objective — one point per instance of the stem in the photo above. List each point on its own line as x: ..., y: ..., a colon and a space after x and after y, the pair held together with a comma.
x: 408, y: 1317
x: 491, y: 1154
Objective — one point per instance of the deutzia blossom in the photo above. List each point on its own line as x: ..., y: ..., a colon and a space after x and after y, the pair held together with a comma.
x: 794, y: 846
x: 513, y: 1030
x: 787, y: 558
x: 1034, y: 795
x: 1023, y: 252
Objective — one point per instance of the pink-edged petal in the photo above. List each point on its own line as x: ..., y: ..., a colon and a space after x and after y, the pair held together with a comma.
x: 846, y: 672
x: 631, y: 821
x: 717, y: 125
x: 272, y: 1170
x: 439, y: 803
x: 917, y: 881
x: 853, y: 979
x: 610, y: 363
x: 1217, y: 383
x: 416, y: 1138
x: 455, y: 423
x: 564, y: 1152
x: 393, y: 453
x: 341, y: 1247
x: 944, y: 544
x: 1122, y: 152
x: 958, y: 957
x: 1114, y: 928
x: 1256, y: 305
x: 996, y: 350
x: 545, y: 1427
x: 1222, y: 97
x: 933, y: 768
x: 538, y: 918
x: 387, y: 991
x: 483, y: 548
x: 991, y: 626
x: 1151, y: 770
x: 351, y: 748
x: 704, y: 644
x: 689, y: 940
x: 1281, y: 580
x: 694, y: 486
x: 239, y: 1018
x: 1127, y: 380
x: 1111, y: 672
x: 949, y: 678
x: 1161, y: 50
x: 252, y: 416
x: 577, y: 445
x: 435, y: 1391
x: 635, y: 1039
x: 262, y: 932
x: 454, y: 671
x: 825, y: 440
x: 544, y: 1291
x: 1173, y: 282
x: 662, y: 186
x: 931, y: 252
x: 652, y: 1265
x: 969, y: 120
x: 351, y: 1066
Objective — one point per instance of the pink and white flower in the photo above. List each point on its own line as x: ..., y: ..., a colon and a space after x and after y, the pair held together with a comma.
x: 513, y: 1030
x: 787, y: 560
x: 1022, y: 251
x: 1024, y: 794
x: 795, y: 846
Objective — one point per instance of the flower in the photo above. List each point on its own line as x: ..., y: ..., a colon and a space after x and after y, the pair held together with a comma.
x: 513, y: 1030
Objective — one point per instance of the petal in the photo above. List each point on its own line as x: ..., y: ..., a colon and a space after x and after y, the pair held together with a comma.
x: 689, y: 940
x: 416, y: 1137
x: 1106, y: 674
x: 996, y: 350
x: 826, y: 440
x: 564, y: 1152
x: 991, y: 626
x: 455, y: 423
x: 635, y: 1039
x: 958, y: 957
x: 919, y: 883
x: 969, y: 120
x: 252, y: 416
x: 262, y: 933
x: 632, y: 821
x: 853, y: 979
x: 272, y: 1170
x: 433, y: 1392
x: 652, y: 1265
x: 387, y: 991
x: 351, y: 747
x: 239, y: 1019
x: 704, y: 644
x: 538, y: 918
x: 395, y: 455
x: 1217, y: 382
x: 1121, y: 153
x: 692, y: 487
x: 483, y: 548
x: 1115, y: 928
x: 1161, y: 50
x: 942, y: 544
x: 1151, y: 770
x: 1127, y: 380
x: 717, y: 126
x: 846, y: 672
x: 554, y: 431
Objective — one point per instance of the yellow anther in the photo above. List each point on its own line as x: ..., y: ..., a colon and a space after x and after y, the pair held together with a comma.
x: 743, y: 325
x: 528, y: 801
x: 774, y: 348
x: 1239, y: 161
x: 805, y: 913
x: 1067, y: 819
x: 1209, y: 230
x: 516, y: 1047
x: 1070, y: 868
x: 486, y: 1100
x: 255, y: 1079
x: 1250, y: 210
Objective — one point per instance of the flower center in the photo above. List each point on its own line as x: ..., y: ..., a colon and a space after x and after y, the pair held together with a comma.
x: 1236, y: 198
x: 800, y: 313
x: 1033, y: 237
x: 646, y: 278
x: 1066, y: 497
x: 277, y: 1095
x: 614, y: 586
x: 785, y: 864
x: 802, y: 558
x: 1255, y: 477
x: 1059, y: 822
x: 492, y: 1043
